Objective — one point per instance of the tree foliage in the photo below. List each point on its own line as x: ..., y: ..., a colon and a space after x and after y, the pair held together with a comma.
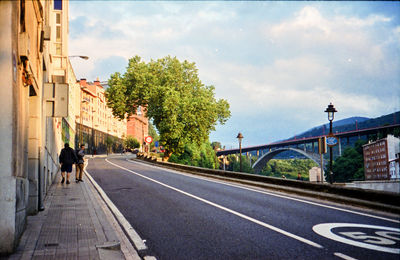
x: 194, y: 155
x: 350, y: 166
x: 234, y: 163
x: 181, y: 107
x: 131, y: 143
x: 290, y: 168
x: 216, y: 145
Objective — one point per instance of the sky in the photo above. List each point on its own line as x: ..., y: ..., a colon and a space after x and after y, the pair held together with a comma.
x: 278, y: 64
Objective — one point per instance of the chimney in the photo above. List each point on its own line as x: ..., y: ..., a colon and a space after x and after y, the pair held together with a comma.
x: 83, y: 82
x: 97, y: 82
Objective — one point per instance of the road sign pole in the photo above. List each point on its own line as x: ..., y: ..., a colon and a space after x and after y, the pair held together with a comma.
x: 322, y: 168
x: 148, y: 141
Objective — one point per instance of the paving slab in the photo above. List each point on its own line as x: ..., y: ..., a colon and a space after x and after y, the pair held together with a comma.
x: 76, y: 224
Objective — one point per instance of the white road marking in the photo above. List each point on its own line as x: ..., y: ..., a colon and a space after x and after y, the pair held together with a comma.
x: 276, y: 195
x: 301, y: 239
x: 325, y: 230
x: 346, y: 257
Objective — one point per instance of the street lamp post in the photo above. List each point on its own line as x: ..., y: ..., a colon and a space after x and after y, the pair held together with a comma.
x: 331, y: 115
x: 93, y: 131
x: 240, y: 137
x: 80, y: 116
x: 108, y: 121
x: 80, y: 95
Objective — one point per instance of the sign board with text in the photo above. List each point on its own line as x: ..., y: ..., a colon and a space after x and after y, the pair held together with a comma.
x: 331, y: 140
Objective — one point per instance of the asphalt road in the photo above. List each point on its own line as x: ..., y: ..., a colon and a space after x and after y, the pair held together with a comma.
x: 187, y: 217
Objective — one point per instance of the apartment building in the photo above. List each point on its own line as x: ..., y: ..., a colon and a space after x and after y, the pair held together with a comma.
x: 138, y: 125
x: 394, y: 167
x: 96, y: 122
x: 378, y: 156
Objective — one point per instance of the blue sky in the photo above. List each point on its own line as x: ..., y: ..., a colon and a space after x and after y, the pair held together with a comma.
x: 279, y: 64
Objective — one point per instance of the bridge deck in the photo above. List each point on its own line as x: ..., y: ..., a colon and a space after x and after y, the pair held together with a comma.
x: 307, y: 140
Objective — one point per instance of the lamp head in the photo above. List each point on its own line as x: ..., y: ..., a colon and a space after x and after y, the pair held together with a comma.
x: 239, y: 136
x: 331, y: 111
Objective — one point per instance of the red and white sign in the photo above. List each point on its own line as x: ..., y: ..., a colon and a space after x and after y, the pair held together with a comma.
x: 148, y: 139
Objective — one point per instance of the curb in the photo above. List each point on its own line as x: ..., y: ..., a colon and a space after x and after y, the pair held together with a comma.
x: 128, y: 230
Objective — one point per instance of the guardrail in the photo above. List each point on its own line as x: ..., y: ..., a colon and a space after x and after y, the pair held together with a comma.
x: 381, y: 200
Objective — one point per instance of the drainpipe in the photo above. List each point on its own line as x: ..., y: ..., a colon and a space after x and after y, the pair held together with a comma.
x: 40, y: 200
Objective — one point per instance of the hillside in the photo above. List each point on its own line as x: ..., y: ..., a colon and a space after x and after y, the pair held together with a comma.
x: 349, y: 124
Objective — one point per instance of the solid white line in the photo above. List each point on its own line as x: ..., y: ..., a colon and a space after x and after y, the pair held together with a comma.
x: 276, y: 195
x: 225, y: 209
x: 139, y: 244
x: 346, y: 257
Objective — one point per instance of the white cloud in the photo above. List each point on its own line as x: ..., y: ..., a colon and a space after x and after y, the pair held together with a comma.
x: 370, y: 21
x: 308, y: 19
x: 275, y: 69
x: 299, y: 85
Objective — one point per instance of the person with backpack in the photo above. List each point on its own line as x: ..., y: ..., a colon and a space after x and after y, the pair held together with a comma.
x: 67, y: 158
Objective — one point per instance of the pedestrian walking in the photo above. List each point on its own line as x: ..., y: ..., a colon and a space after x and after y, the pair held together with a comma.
x: 67, y: 158
x: 80, y: 154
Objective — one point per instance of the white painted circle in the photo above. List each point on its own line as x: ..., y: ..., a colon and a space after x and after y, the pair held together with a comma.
x: 148, y: 139
x: 325, y: 230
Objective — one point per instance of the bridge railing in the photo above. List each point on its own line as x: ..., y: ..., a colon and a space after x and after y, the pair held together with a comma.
x: 307, y: 140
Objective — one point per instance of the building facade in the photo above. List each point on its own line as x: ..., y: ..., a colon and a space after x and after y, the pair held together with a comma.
x: 97, y: 128
x: 378, y: 156
x: 34, y: 94
x: 138, y: 126
x: 394, y: 168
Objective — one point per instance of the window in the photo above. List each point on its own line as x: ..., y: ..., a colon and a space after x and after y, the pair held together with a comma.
x: 58, y: 34
x: 57, y: 4
x: 58, y: 48
x: 22, y: 15
x: 58, y: 45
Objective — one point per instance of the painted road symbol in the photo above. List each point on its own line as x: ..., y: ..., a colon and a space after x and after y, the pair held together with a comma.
x: 384, y: 239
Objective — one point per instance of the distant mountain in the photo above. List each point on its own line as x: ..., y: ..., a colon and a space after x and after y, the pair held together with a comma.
x: 351, y: 124
x: 349, y: 121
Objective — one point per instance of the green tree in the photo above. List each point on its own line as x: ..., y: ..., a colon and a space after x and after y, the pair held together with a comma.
x: 289, y: 167
x: 131, y: 143
x: 396, y: 132
x: 350, y: 166
x: 109, y: 142
x: 216, y: 145
x: 181, y: 107
x: 194, y: 155
x: 234, y: 164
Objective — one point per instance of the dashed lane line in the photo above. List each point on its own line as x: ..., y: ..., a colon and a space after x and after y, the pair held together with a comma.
x: 343, y: 256
x: 278, y: 195
x: 281, y: 231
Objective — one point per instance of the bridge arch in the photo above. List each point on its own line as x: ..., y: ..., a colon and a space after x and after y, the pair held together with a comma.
x: 261, y: 162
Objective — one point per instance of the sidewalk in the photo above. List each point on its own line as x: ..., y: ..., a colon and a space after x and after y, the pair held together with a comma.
x: 76, y: 224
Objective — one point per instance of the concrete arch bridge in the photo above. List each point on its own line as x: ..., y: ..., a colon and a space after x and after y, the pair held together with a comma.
x: 264, y: 159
